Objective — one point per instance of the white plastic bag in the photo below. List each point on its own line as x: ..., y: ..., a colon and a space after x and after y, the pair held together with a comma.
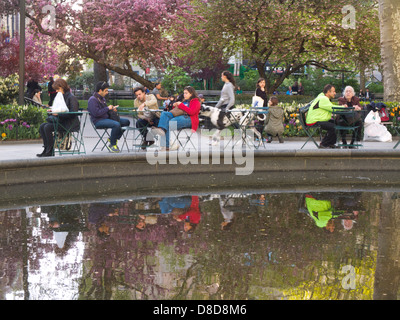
x: 59, y: 104
x: 374, y: 130
x: 372, y: 117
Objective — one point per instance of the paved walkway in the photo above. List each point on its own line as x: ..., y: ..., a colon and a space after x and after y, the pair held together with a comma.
x: 28, y: 150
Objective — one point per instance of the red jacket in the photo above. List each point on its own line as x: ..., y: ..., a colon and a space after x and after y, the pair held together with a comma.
x: 193, y: 214
x: 193, y: 111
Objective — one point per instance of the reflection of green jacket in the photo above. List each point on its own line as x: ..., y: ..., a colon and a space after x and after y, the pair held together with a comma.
x: 320, y: 211
x: 320, y: 110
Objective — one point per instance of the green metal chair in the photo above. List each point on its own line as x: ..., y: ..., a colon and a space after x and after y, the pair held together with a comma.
x: 345, y: 122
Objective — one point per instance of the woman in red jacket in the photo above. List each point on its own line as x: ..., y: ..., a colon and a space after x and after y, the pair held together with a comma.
x: 190, y: 119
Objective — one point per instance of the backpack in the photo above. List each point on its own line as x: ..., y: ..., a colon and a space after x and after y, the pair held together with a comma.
x: 384, y: 114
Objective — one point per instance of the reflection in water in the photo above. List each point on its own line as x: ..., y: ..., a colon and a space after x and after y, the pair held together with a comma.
x: 220, y: 246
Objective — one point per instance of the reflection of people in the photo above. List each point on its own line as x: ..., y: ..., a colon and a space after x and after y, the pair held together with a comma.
x: 167, y: 204
x: 144, y: 220
x: 321, y: 212
x: 229, y: 216
x: 97, y: 216
x: 65, y: 221
x: 190, y: 216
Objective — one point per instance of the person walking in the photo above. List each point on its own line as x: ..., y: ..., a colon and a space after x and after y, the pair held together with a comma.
x: 227, y: 99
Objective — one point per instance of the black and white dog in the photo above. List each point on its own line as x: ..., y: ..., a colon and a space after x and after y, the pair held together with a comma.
x: 222, y: 119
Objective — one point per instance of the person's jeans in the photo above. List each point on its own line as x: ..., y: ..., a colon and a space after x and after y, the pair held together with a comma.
x: 144, y: 124
x: 168, y: 122
x: 115, y: 126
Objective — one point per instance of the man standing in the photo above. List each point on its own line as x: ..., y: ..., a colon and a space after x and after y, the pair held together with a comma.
x: 143, y: 103
x: 100, y: 115
x: 157, y: 93
x: 320, y: 113
x: 52, y: 93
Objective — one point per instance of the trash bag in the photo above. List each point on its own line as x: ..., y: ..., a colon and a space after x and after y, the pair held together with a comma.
x: 374, y: 130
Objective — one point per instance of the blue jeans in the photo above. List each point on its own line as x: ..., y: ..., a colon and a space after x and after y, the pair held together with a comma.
x: 167, y: 122
x: 115, y: 126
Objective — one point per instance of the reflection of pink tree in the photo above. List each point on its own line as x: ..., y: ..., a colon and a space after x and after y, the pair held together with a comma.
x: 123, y: 258
x: 41, y: 59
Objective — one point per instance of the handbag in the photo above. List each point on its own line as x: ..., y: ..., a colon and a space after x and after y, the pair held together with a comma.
x: 176, y: 112
x: 113, y: 115
x: 63, y: 141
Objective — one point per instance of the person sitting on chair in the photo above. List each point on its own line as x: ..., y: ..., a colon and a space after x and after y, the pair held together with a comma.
x: 320, y: 113
x: 67, y: 121
x: 349, y: 99
x: 188, y: 119
x: 143, y: 103
x: 100, y: 115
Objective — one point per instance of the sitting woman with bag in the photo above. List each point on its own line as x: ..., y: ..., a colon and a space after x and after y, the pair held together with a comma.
x: 349, y: 99
x: 68, y: 121
x: 181, y: 116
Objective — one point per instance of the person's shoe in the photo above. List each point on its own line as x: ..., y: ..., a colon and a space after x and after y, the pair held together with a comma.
x: 113, y: 149
x: 332, y: 146
x: 150, y: 143
x: 144, y: 145
x: 46, y: 153
x: 321, y: 146
x: 41, y: 154
x: 109, y: 141
x: 158, y: 131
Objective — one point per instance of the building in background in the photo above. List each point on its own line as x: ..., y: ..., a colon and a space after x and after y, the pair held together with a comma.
x: 10, y: 24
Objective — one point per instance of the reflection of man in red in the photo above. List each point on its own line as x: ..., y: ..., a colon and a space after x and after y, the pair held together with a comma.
x: 191, y: 216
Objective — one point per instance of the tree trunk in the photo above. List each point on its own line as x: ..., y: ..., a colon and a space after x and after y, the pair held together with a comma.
x: 362, y: 76
x: 387, y: 272
x: 389, y: 17
x: 100, y: 73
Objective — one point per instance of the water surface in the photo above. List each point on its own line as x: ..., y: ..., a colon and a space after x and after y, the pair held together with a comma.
x: 219, y: 246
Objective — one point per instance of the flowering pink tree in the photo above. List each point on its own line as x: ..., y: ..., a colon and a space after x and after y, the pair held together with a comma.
x: 41, y: 59
x: 116, y: 33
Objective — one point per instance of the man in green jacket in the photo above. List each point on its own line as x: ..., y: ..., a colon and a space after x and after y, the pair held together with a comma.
x: 320, y: 113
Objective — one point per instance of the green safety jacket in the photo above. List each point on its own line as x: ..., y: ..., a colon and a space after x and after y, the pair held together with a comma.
x: 320, y: 211
x: 320, y: 110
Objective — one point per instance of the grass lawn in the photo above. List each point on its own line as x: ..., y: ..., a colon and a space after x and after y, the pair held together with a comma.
x: 84, y: 103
